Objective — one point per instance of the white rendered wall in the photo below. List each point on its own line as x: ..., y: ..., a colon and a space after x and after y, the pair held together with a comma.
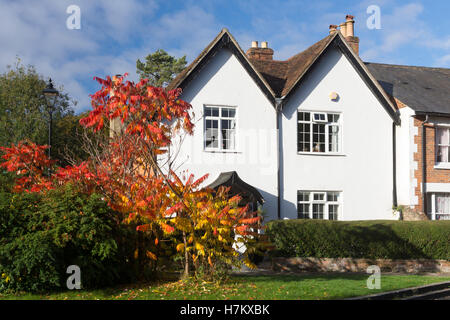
x: 364, y: 171
x: 224, y: 81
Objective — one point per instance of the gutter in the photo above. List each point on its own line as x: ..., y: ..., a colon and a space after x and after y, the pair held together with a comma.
x: 394, y: 160
x: 424, y: 166
x: 278, y: 107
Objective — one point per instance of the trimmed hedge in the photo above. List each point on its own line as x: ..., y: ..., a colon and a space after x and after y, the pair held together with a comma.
x: 360, y: 239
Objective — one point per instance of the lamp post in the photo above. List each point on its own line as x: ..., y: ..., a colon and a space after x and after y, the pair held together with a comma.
x: 50, y: 94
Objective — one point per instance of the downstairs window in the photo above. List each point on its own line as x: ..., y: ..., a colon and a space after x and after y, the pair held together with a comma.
x: 318, y: 205
x: 438, y: 206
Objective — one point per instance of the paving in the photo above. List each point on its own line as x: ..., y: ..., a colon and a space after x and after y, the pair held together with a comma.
x: 435, y: 291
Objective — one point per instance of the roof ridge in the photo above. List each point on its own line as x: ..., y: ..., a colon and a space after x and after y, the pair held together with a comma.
x: 405, y: 66
x: 310, y: 47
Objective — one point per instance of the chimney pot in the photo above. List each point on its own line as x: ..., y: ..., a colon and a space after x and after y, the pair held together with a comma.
x: 333, y: 28
x: 349, y: 26
x: 264, y: 44
x: 350, y: 33
x: 254, y: 44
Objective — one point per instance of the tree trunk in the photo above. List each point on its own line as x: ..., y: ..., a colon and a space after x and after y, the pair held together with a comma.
x: 186, y: 257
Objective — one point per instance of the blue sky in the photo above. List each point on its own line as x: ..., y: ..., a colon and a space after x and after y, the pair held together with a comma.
x: 115, y: 33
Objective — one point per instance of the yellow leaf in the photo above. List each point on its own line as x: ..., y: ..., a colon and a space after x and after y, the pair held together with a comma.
x: 151, y: 255
x: 180, y: 247
x: 200, y: 249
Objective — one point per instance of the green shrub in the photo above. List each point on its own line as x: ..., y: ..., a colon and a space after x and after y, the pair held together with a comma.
x: 40, y: 236
x: 360, y: 239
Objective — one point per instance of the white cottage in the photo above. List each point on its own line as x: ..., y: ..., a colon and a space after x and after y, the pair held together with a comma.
x: 315, y: 135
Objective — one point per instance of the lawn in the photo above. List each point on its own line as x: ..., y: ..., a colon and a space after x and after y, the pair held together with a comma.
x: 270, y: 287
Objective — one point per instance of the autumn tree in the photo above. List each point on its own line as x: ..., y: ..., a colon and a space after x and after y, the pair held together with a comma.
x: 129, y: 173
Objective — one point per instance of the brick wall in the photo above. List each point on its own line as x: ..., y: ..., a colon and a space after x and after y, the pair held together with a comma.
x: 432, y: 175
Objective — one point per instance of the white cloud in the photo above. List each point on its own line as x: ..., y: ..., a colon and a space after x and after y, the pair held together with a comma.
x: 114, y: 33
x: 443, y: 62
x: 402, y: 28
x: 37, y: 33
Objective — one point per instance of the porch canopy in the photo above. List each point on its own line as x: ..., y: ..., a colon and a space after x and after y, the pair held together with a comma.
x: 246, y: 191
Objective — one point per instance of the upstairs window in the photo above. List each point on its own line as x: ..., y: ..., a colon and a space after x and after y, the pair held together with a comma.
x: 220, y: 128
x: 319, y: 132
x: 442, y: 144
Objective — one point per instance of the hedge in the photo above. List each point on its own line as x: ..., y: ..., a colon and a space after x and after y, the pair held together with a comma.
x: 360, y: 239
x: 40, y: 236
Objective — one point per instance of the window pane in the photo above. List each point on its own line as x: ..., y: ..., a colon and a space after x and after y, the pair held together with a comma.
x: 304, y: 144
x: 303, y: 196
x: 442, y: 154
x: 332, y: 211
x: 443, y: 143
x: 211, y: 133
x: 319, y: 117
x: 211, y: 138
x: 332, y: 196
x: 442, y: 203
x: 318, y: 209
x: 318, y: 137
x: 443, y: 136
x: 303, y: 211
x: 211, y: 111
x: 228, y: 134
x: 304, y: 116
x: 319, y: 196
x: 333, y: 138
x: 333, y: 118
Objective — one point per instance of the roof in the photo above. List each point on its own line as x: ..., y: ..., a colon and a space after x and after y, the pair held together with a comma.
x: 223, y: 39
x: 238, y: 186
x: 283, y: 75
x: 278, y: 79
x: 423, y: 89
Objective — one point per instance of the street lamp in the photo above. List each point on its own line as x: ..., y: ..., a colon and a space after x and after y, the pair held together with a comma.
x: 50, y: 94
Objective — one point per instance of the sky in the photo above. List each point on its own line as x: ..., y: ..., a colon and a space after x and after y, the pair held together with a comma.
x: 113, y: 34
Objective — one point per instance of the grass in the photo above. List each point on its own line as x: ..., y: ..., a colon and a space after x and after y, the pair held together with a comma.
x: 269, y: 287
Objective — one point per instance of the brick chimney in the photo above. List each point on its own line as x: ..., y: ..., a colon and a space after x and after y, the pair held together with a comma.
x: 349, y: 33
x: 260, y: 53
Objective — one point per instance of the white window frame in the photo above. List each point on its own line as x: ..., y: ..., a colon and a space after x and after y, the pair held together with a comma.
x: 325, y: 202
x: 443, y: 165
x: 432, y: 206
x: 219, y: 118
x: 328, y: 125
x: 313, y: 118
